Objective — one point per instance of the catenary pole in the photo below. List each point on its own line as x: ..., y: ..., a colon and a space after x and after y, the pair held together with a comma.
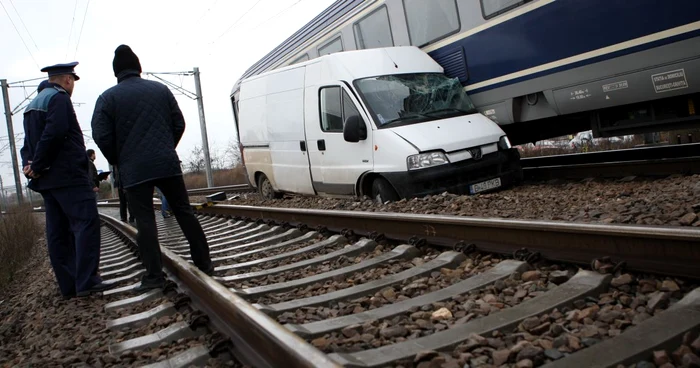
x: 11, y: 135
x: 203, y: 126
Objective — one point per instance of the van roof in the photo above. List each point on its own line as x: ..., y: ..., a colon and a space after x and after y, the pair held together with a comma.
x: 368, y: 63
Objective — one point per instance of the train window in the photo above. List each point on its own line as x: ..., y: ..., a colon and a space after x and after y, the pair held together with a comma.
x: 429, y: 21
x: 300, y: 59
x: 492, y: 8
x: 334, y: 46
x: 374, y: 30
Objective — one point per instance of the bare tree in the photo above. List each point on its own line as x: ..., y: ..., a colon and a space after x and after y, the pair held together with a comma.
x: 233, y: 153
x: 195, y: 162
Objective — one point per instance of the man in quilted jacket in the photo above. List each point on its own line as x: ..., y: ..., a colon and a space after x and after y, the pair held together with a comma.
x: 137, y: 124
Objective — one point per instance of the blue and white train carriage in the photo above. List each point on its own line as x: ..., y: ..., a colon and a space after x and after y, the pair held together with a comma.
x: 540, y: 68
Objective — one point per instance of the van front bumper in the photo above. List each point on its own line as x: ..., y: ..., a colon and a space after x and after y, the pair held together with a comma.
x: 457, y: 177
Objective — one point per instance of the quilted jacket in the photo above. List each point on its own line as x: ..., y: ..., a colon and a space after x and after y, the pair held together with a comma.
x: 53, y: 142
x: 137, y: 124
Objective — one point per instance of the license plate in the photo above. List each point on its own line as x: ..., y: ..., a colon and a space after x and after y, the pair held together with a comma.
x: 484, y: 185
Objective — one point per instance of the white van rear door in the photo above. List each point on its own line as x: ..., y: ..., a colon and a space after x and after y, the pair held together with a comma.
x: 336, y: 165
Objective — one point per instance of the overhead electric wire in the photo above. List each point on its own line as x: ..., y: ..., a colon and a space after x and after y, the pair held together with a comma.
x: 24, y: 25
x: 278, y: 14
x: 70, y: 33
x: 238, y: 20
x: 80, y: 35
x: 19, y: 34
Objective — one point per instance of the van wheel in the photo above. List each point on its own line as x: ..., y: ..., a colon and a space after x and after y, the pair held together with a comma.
x: 265, y: 188
x: 383, y: 192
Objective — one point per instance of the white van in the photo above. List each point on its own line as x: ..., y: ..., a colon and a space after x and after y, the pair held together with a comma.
x: 386, y: 123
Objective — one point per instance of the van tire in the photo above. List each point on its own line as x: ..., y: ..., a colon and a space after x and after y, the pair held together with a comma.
x: 265, y: 188
x: 383, y: 192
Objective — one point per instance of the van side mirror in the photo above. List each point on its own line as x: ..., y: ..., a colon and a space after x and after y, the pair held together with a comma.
x: 354, y: 129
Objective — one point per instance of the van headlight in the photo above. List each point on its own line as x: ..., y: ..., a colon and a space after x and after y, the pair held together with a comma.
x: 504, y: 143
x: 423, y: 160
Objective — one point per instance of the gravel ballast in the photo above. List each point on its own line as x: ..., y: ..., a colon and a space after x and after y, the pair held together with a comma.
x: 40, y: 329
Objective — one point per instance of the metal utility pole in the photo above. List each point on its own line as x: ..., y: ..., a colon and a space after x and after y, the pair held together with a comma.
x: 2, y: 196
x: 11, y: 135
x: 203, y: 127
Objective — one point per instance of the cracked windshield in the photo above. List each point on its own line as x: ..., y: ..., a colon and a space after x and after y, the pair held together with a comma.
x: 413, y: 98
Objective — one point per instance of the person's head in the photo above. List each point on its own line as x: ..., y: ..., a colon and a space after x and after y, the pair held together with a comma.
x: 66, y: 81
x: 91, y: 154
x: 63, y: 75
x: 43, y: 85
x: 125, y: 59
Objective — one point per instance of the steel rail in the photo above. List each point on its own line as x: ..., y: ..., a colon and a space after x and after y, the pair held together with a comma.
x: 664, y: 250
x: 237, y: 188
x: 258, y: 339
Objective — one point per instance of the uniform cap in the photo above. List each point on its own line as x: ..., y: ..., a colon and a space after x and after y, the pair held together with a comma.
x: 61, y: 69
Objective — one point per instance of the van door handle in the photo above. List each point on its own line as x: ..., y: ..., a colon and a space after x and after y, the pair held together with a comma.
x: 321, y: 144
x: 302, y: 145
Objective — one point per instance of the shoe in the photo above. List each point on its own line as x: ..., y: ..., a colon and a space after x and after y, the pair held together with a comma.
x: 95, y: 289
x: 68, y: 297
x: 210, y: 271
x: 146, y: 287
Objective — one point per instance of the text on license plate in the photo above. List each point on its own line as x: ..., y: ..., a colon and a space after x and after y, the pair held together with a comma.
x: 484, y: 185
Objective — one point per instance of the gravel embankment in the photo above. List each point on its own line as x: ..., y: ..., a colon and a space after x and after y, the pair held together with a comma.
x: 40, y: 329
x: 672, y: 201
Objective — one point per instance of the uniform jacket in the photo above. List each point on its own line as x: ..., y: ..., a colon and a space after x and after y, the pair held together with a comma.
x: 137, y: 124
x: 53, y: 141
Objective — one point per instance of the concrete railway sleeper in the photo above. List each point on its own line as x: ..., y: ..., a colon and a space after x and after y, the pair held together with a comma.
x: 403, y: 302
x: 158, y: 328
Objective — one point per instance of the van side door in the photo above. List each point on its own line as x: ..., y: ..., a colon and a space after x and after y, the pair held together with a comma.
x: 336, y: 165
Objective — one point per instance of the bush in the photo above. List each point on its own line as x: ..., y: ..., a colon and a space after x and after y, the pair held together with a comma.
x: 20, y: 231
x: 194, y: 180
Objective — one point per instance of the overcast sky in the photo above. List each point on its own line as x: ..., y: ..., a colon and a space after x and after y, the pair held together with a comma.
x: 221, y: 37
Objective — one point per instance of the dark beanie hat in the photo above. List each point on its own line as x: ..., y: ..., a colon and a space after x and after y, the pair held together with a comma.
x: 125, y: 59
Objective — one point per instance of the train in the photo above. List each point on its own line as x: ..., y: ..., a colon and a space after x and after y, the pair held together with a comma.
x: 538, y: 68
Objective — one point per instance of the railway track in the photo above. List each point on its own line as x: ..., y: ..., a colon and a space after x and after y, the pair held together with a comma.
x: 302, y: 288
x: 156, y: 329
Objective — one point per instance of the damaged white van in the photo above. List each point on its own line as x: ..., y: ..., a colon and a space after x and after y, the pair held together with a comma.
x: 385, y: 123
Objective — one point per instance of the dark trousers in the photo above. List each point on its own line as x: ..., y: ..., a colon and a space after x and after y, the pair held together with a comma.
x: 73, y: 237
x: 141, y: 205
x: 123, y: 204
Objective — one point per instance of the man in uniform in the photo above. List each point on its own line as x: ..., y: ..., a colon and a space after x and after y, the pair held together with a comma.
x: 137, y: 124
x: 53, y: 158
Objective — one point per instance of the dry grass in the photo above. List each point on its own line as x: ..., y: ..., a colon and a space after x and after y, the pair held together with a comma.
x: 19, y: 233
x: 221, y: 177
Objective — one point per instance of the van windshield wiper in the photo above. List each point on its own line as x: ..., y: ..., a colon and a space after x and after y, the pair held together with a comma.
x: 404, y: 118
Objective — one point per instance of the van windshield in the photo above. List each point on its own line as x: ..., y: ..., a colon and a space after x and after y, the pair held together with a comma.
x: 413, y: 98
